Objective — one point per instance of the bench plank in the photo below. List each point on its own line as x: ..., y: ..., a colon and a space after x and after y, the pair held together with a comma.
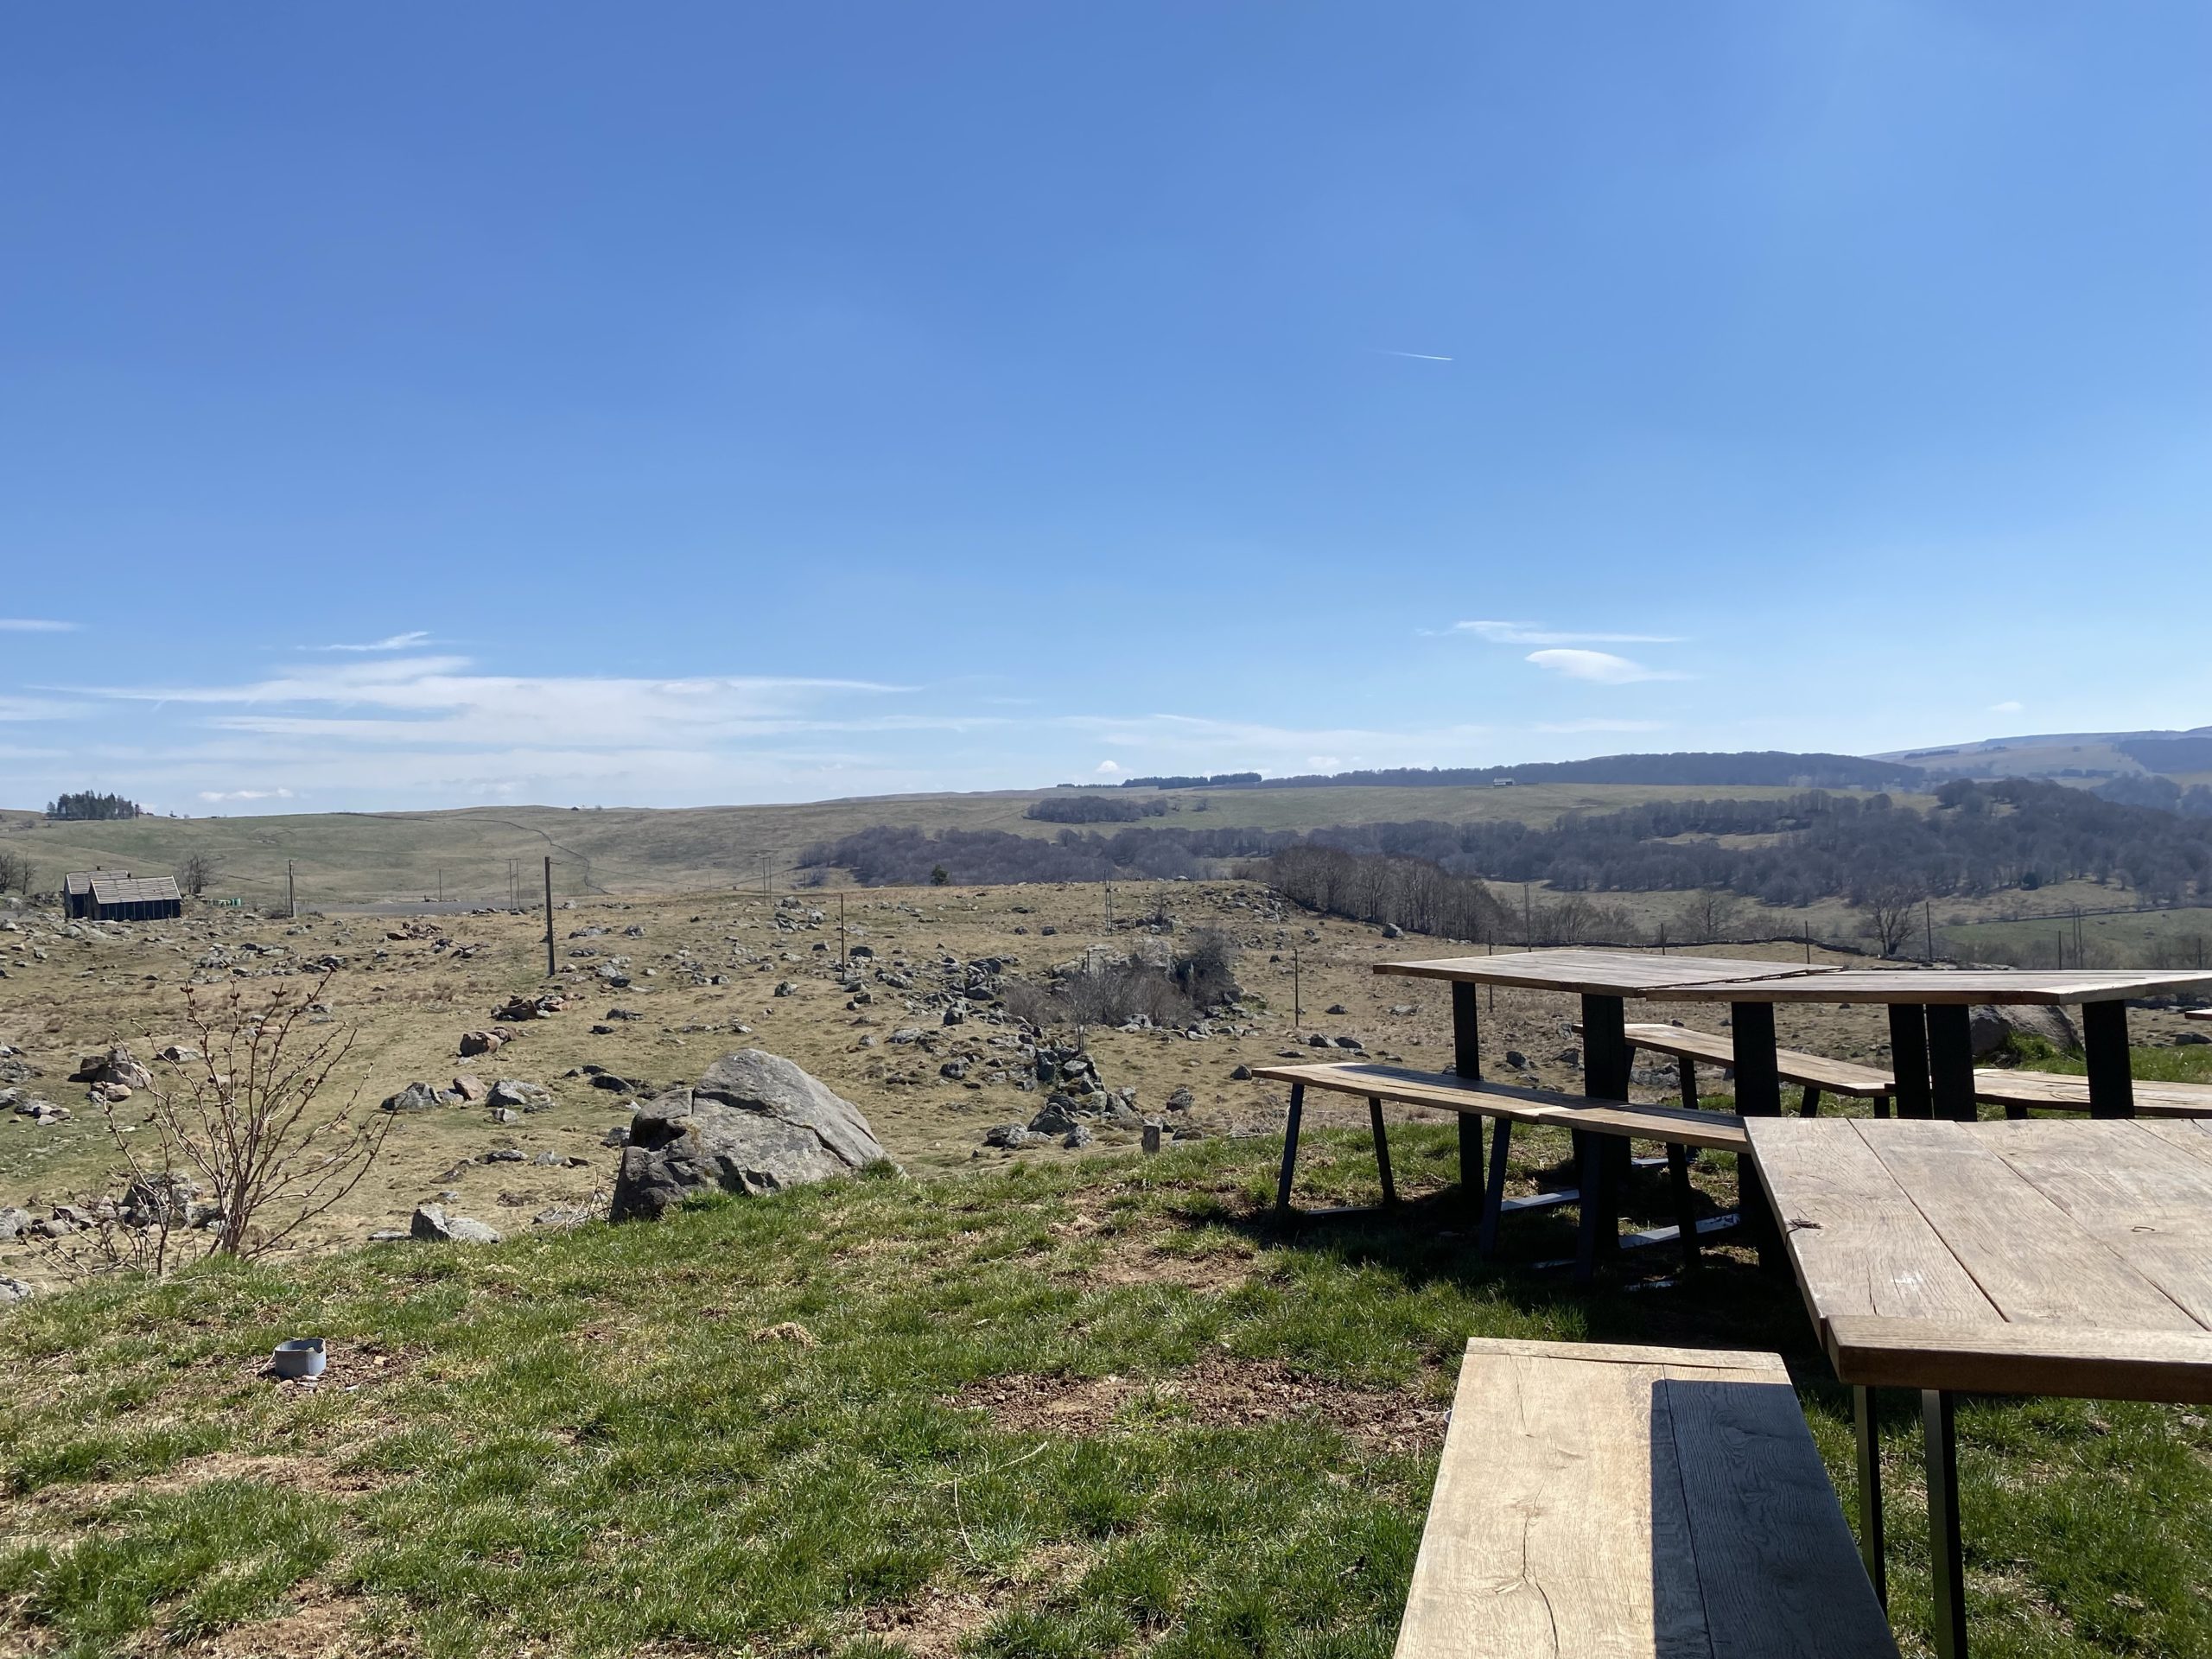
x: 2053, y: 1090
x: 1721, y: 1131
x: 1838, y: 1077
x: 1646, y: 1502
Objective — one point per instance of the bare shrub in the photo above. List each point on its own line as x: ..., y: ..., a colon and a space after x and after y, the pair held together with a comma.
x: 1104, y: 991
x: 15, y: 873
x: 1204, y: 971
x: 242, y: 1122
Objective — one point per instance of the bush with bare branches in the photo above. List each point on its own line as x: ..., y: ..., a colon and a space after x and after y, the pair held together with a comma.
x: 238, y: 1115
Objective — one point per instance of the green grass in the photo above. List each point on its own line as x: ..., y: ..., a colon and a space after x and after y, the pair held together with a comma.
x: 581, y: 1445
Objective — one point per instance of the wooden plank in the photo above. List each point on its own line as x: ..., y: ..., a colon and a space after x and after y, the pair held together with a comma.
x: 1595, y: 973
x: 1817, y: 1071
x: 1857, y: 1243
x: 1946, y: 986
x: 1777, y: 1572
x: 2175, y: 1366
x: 2028, y: 1256
x: 1579, y: 1498
x: 2196, y: 1014
x: 2057, y: 1091
x: 2149, y: 1205
x: 1717, y: 1131
x: 1746, y: 1361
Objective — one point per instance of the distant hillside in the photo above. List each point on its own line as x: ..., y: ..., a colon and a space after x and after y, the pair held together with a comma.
x: 2078, y: 757
x: 1758, y: 768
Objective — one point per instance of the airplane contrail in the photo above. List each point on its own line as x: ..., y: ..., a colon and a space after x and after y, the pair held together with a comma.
x: 1425, y: 357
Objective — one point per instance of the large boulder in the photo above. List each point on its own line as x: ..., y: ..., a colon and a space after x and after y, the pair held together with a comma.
x: 753, y: 1123
x: 430, y: 1222
x: 1990, y: 1026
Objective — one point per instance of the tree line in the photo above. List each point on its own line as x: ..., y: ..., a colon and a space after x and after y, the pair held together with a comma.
x: 1980, y: 837
x: 86, y: 805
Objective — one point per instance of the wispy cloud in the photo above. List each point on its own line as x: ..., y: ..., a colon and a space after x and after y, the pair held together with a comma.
x: 2008, y: 707
x: 1565, y: 727
x: 38, y: 709
x: 1535, y: 633
x: 1423, y: 357
x: 36, y: 625
x: 218, y: 795
x: 1600, y: 667
x: 393, y: 642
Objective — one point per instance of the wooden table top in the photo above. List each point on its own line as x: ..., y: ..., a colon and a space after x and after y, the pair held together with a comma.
x: 1596, y: 973
x: 2065, y: 1257
x: 1948, y: 985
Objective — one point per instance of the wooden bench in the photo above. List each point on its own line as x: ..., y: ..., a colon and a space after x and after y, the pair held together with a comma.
x: 1594, y: 1124
x: 2016, y: 1091
x: 1617, y: 1502
x: 2019, y: 1092
x: 1814, y: 1073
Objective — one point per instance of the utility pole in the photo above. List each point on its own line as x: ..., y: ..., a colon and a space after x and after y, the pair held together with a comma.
x: 841, y: 933
x: 551, y: 969
x: 1106, y: 887
x: 1297, y: 1007
x: 291, y: 893
x: 764, y: 875
x: 441, y: 887
x: 1928, y: 917
x: 1528, y: 923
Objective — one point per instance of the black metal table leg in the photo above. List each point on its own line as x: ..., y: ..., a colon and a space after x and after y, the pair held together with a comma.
x: 2104, y: 1046
x: 1808, y: 1104
x: 1945, y: 1553
x: 1871, y: 1547
x: 1758, y: 1094
x: 1909, y: 1056
x: 1466, y: 1045
x: 1606, y: 1060
x: 1290, y: 1147
x: 1468, y: 1061
x: 1501, y: 1136
x: 1950, y: 1061
x: 1382, y: 1149
x: 1592, y: 1179
x: 1688, y: 1067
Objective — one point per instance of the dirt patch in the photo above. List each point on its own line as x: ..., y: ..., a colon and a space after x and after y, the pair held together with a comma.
x: 321, y: 1627
x: 935, y: 1623
x: 1215, y: 1394
x: 1132, y: 1261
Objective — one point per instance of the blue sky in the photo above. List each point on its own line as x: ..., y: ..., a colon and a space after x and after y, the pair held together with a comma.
x: 420, y: 405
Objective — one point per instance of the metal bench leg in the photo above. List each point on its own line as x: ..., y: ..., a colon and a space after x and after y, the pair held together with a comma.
x: 1810, y: 1105
x: 1881, y: 1105
x: 1687, y: 1068
x: 1500, y: 1135
x: 1678, y: 1171
x: 1870, y: 1549
x: 1290, y: 1147
x: 1946, y: 1553
x: 1382, y: 1149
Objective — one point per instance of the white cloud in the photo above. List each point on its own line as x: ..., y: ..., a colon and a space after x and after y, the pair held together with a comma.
x: 37, y: 708
x: 245, y: 794
x: 394, y: 642
x: 1600, y: 667
x: 35, y: 625
x: 1533, y: 633
x: 1109, y: 768
x: 2008, y: 707
x: 1323, y: 762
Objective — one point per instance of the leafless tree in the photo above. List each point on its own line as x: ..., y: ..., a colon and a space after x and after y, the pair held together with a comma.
x: 15, y: 873
x: 1887, y: 914
x: 242, y: 1117
x: 197, y: 873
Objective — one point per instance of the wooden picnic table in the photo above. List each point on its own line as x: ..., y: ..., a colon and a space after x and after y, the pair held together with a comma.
x: 1603, y: 980
x: 1931, y: 1047
x: 2066, y: 1258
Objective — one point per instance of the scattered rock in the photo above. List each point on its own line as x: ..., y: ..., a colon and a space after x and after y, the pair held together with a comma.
x: 481, y: 1042
x: 1241, y: 1074
x: 526, y: 1097
x: 420, y: 1097
x: 431, y: 1222
x: 1989, y: 1026
x: 753, y: 1123
x: 469, y: 1087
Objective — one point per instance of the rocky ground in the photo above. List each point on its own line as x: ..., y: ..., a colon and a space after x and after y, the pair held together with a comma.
x: 514, y: 1089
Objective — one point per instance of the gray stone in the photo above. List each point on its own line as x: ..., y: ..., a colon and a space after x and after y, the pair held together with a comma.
x: 1075, y: 1137
x: 419, y: 1097
x: 753, y: 1123
x: 1010, y: 1135
x: 526, y: 1097
x: 1989, y: 1026
x: 15, y: 1290
x: 431, y: 1222
x: 1241, y: 1074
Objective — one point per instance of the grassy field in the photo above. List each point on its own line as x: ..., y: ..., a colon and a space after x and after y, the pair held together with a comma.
x: 352, y: 857
x: 1093, y: 1409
